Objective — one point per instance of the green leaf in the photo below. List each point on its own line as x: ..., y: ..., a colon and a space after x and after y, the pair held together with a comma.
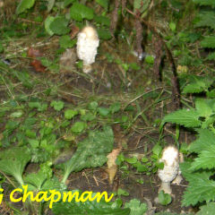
x: 204, y: 106
x: 149, y: 59
x: 24, y: 5
x: 103, y: 20
x: 68, y: 2
x: 59, y: 25
x: 207, y: 209
x: 103, y: 3
x: 115, y: 107
x: 69, y: 114
x: 88, y: 117
x: 205, y: 159
x: 104, y: 34
x: 36, y: 179
x: 103, y: 111
x: 79, y: 12
x: 66, y: 42
x: 172, y: 26
x: 200, y: 189
x: 205, y: 2
x: 50, y: 5
x: 57, y: 105
x: 187, y: 118
x: 88, y: 207
x: 121, y: 192
x: 34, y: 143
x: 131, y: 160
x: 157, y: 149
x: 47, y: 24
x: 38, y: 105
x: 198, y: 85
x: 93, y: 106
x: 17, y: 114
x: 78, y: 127
x: 205, y: 140
x: 91, y: 152
x: 13, y: 162
x: 164, y: 198
x: 136, y: 207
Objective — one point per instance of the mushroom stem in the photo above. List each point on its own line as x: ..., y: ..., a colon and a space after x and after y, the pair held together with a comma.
x: 165, y: 186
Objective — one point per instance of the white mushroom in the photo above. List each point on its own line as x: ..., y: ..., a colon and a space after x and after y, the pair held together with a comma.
x: 87, y: 45
x: 170, y: 172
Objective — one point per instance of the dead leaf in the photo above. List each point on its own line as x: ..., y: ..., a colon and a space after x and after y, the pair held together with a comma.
x: 33, y: 53
x: 74, y: 31
x: 111, y: 164
x: 37, y: 65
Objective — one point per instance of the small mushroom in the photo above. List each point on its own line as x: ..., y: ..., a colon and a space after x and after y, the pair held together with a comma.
x: 87, y: 45
x: 171, y: 172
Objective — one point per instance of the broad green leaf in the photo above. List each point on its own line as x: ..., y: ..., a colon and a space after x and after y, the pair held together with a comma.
x: 137, y: 208
x: 66, y: 42
x: 50, y: 5
x: 17, y: 114
x: 91, y: 152
x: 205, y: 159
x: 115, y: 107
x: 34, y: 143
x: 149, y: 59
x: 57, y: 105
x: 103, y: 111
x: 198, y: 85
x: 205, y: 2
x: 200, y: 189
x: 78, y: 127
x: 59, y: 26
x: 121, y: 192
x: 164, y: 198
x: 24, y: 5
x: 88, y: 207
x: 13, y: 162
x: 104, y: 34
x: 47, y: 24
x: 69, y: 114
x: 103, y: 20
x: 36, y: 179
x: 93, y: 106
x: 207, y: 209
x: 79, y: 12
x: 103, y: 3
x: 88, y: 117
x: 204, y: 107
x: 187, y: 118
x: 68, y: 2
x: 131, y: 160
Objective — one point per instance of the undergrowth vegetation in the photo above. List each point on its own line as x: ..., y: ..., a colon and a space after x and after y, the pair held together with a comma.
x: 152, y: 85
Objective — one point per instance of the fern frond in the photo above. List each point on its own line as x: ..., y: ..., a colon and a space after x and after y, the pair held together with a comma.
x: 205, y: 2
x: 206, y: 19
x: 208, y: 42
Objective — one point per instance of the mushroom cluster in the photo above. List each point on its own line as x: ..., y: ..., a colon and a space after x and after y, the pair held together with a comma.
x: 87, y: 45
x: 171, y: 172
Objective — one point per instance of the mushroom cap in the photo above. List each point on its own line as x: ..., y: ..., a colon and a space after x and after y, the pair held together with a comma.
x: 90, y: 32
x: 170, y: 158
x: 87, y: 45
